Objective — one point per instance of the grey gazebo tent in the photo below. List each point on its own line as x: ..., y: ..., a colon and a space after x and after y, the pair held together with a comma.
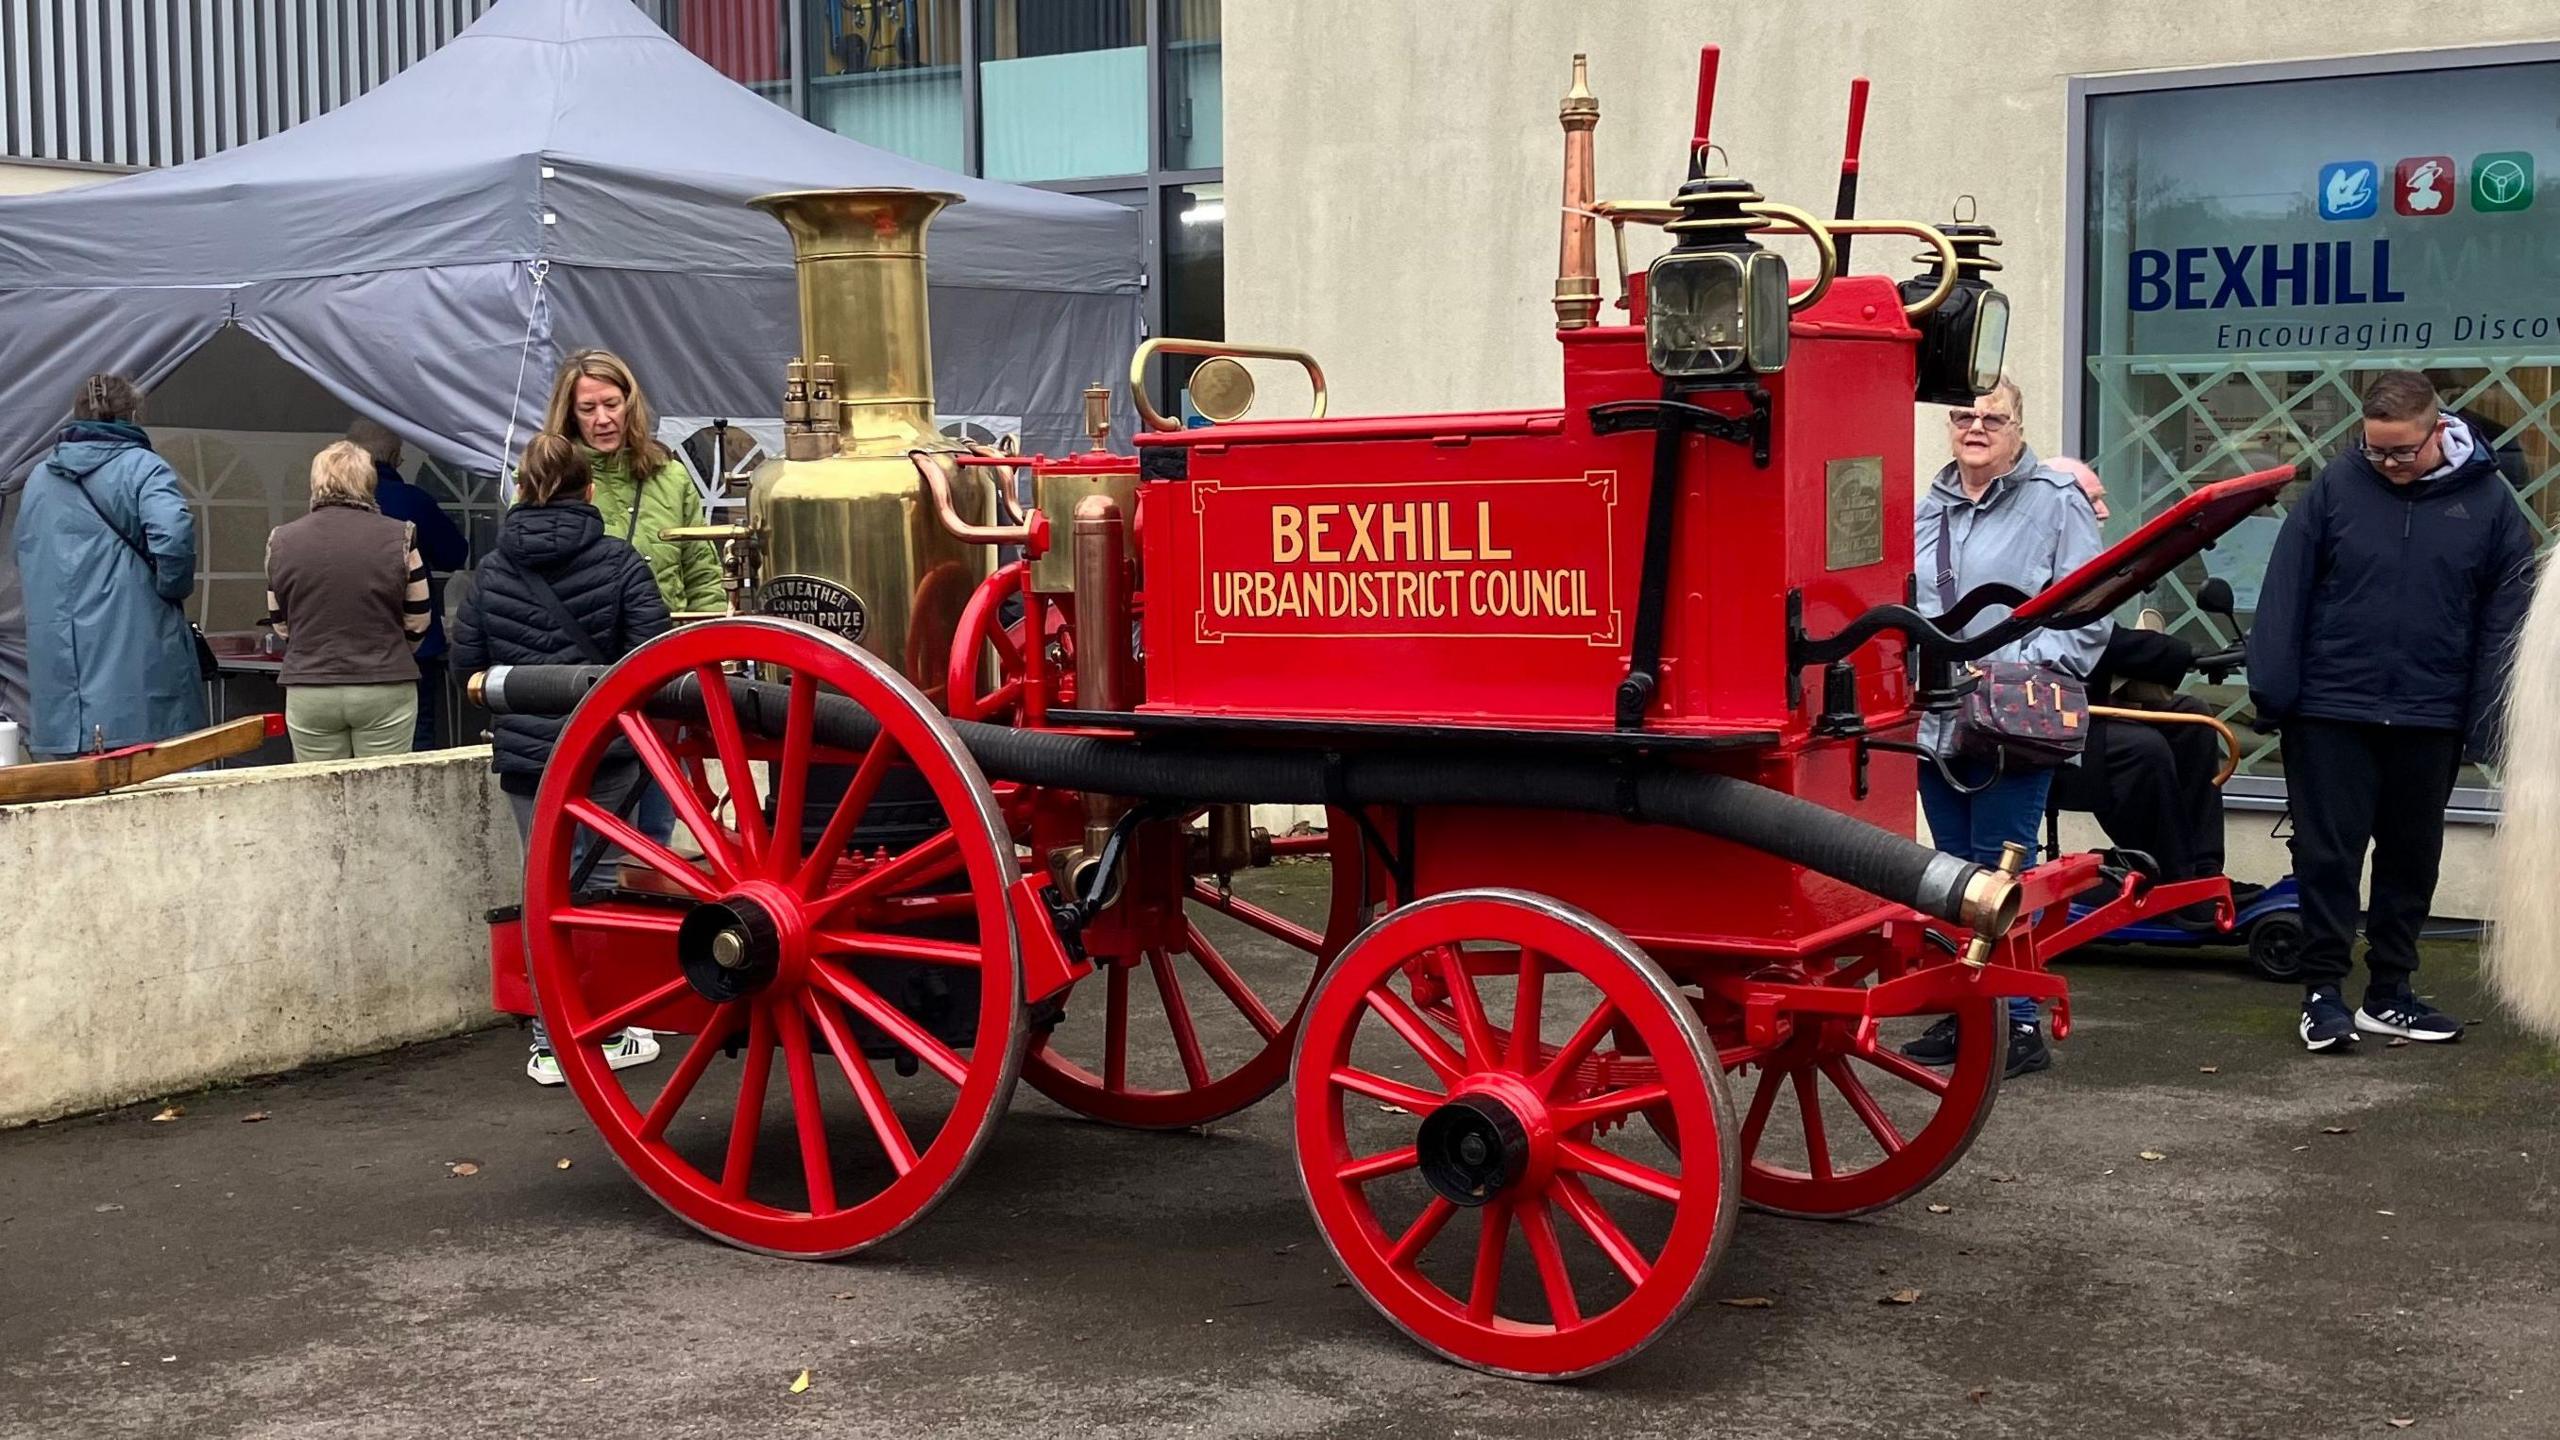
x: 562, y: 174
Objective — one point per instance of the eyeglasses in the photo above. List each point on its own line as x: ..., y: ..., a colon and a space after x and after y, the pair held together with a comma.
x: 2394, y: 455
x: 1991, y: 421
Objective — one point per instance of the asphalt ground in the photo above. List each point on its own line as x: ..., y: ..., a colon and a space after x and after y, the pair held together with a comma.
x: 2323, y: 1247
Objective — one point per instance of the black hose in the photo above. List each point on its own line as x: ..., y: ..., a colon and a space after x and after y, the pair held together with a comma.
x: 1799, y: 831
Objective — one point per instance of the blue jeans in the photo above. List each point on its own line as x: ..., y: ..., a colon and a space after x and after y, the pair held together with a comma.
x: 1975, y: 826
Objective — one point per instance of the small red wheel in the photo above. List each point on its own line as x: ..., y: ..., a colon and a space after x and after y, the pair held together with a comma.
x: 1398, y: 1130
x: 1167, y: 1066
x: 983, y: 635
x: 779, y: 943
x: 1841, y: 1123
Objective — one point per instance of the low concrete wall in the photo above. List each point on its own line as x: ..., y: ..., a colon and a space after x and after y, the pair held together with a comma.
x: 234, y: 923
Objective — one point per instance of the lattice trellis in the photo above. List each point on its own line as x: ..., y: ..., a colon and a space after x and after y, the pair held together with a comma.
x: 2142, y: 399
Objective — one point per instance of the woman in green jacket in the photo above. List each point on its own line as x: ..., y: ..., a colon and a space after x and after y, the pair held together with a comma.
x: 641, y: 489
x: 640, y: 486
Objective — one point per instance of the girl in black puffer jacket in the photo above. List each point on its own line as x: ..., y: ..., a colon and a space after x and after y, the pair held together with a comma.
x: 553, y: 538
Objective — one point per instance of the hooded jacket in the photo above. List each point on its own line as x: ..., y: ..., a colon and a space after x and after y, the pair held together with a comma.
x: 2031, y: 527
x: 601, y: 582
x: 440, y: 544
x: 2393, y: 604
x: 13, y: 605
x: 106, y: 551
x: 688, y: 574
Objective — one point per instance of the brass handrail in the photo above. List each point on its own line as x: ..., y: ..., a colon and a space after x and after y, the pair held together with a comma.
x: 1622, y: 213
x: 1819, y: 232
x: 1173, y: 345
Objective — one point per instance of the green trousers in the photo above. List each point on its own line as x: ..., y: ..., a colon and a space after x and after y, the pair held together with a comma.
x: 337, y: 722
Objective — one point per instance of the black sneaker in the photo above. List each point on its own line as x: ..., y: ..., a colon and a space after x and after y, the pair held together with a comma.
x: 2406, y: 1015
x: 2326, y: 1025
x: 1936, y: 1046
x: 2027, y: 1051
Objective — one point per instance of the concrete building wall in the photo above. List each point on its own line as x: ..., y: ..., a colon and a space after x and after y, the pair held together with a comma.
x: 1394, y: 169
x: 243, y: 922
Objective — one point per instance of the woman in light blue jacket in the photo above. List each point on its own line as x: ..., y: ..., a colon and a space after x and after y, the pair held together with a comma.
x: 1997, y: 515
x: 106, y: 552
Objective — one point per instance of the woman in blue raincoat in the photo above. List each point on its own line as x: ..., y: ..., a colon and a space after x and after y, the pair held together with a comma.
x: 107, y: 555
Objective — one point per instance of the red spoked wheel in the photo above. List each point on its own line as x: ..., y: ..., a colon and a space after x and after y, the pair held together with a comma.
x: 1840, y: 1122
x: 984, y: 636
x: 836, y: 954
x: 1202, y: 1050
x: 1399, y: 1131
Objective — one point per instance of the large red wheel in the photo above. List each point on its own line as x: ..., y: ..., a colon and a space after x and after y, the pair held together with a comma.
x: 984, y: 636
x: 1229, y: 977
x: 1840, y: 1123
x: 830, y: 951
x: 1398, y: 1131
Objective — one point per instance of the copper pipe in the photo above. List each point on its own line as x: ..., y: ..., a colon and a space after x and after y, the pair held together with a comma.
x: 1102, y: 605
x: 1991, y: 902
x: 1102, y: 638
x: 931, y: 465
x: 2230, y: 741
x: 1577, y: 297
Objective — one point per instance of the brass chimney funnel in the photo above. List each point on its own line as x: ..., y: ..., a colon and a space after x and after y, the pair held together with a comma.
x: 852, y: 536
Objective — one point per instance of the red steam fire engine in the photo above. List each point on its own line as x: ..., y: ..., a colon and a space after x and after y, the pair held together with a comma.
x: 1614, y: 917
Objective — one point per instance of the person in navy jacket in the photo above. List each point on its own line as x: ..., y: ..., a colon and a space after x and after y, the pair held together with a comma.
x: 2379, y: 653
x: 440, y: 543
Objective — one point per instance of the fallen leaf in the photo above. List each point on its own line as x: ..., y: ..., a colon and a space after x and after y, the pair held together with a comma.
x: 464, y: 1168
x: 2003, y: 1178
x: 1900, y: 1297
x: 1749, y: 1302
x: 2395, y: 1043
x: 800, y: 1384
x: 170, y: 1113
x: 2208, y: 1069
x: 1978, y: 1394
x: 1393, y: 1110
x: 1285, y: 1249
x: 2393, y: 1214
x: 563, y: 1165
x: 253, y: 1117
x: 1942, y: 1209
x: 844, y: 1294
x: 168, y: 1359
x: 2337, y: 1129
x: 107, y: 1209
x: 2298, y: 1149
x: 2402, y: 1424
x: 2153, y: 1155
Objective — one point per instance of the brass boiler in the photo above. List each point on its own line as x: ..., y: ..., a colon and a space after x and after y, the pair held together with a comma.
x: 864, y: 526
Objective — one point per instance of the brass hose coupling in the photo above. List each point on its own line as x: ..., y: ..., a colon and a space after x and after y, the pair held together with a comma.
x: 1991, y: 904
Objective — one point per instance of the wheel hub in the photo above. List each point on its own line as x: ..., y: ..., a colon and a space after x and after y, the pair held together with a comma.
x: 1471, y: 1149
x: 728, y: 948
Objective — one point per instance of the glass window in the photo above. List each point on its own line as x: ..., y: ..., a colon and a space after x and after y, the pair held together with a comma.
x: 2239, y: 296
x: 1194, y: 95
x: 742, y: 39
x: 1195, y: 274
x: 887, y: 73
x: 1063, y: 88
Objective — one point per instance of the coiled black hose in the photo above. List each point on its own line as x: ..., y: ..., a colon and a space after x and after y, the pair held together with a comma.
x: 1821, y: 840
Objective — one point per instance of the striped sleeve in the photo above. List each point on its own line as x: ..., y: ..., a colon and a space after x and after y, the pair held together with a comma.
x: 275, y: 610
x: 416, y: 610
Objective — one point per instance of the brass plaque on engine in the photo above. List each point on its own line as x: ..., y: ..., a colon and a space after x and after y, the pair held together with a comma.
x: 1853, y: 512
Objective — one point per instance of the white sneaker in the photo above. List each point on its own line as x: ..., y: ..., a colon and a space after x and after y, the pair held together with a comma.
x: 636, y: 1047
x: 543, y: 1068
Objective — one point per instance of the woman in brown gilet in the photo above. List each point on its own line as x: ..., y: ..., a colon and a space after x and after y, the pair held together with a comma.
x: 348, y: 593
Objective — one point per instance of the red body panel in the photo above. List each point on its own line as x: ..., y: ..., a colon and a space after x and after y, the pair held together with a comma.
x: 1485, y: 570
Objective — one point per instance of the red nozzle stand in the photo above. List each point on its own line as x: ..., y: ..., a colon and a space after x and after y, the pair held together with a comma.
x: 1857, y: 125
x: 1706, y: 111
